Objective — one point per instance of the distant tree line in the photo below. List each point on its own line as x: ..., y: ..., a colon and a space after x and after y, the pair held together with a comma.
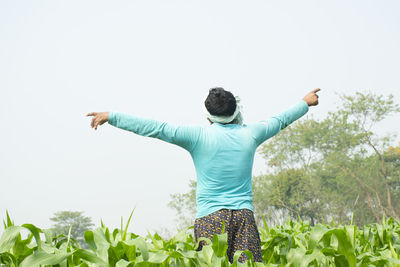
x: 333, y: 169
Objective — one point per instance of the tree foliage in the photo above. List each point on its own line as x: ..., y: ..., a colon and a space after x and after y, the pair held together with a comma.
x: 185, y: 206
x: 338, y: 166
x: 74, y: 220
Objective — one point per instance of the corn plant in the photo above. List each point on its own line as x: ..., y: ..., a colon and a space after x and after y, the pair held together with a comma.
x: 295, y: 243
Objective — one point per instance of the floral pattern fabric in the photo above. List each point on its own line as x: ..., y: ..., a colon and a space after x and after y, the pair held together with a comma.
x: 240, y: 226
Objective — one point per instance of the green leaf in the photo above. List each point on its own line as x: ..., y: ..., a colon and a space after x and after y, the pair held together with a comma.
x: 41, y: 257
x: 89, y: 238
x: 9, y: 237
x: 345, y: 246
x: 36, y: 233
x: 101, y: 244
x: 157, y: 257
x: 316, y: 235
x: 8, y: 259
x: 296, y: 256
x: 9, y: 221
x: 127, y: 224
x: 220, y: 244
x: 122, y: 263
x: 141, y: 244
x: 90, y: 257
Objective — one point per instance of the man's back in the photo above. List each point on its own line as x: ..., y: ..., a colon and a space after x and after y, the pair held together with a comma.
x: 223, y: 157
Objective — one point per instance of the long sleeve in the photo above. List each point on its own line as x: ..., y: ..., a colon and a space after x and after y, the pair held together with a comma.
x: 266, y: 129
x: 183, y: 136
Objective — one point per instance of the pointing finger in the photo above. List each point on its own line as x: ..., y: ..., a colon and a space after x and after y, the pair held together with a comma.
x: 91, y: 114
x: 316, y: 90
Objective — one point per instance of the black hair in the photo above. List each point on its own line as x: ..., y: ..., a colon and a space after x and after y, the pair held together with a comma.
x: 220, y: 102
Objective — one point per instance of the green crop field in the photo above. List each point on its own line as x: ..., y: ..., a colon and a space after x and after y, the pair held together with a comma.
x: 295, y: 243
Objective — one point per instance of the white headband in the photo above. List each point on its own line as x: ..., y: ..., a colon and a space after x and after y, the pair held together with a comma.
x: 237, y: 115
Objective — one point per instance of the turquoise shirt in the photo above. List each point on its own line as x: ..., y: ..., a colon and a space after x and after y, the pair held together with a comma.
x: 223, y: 154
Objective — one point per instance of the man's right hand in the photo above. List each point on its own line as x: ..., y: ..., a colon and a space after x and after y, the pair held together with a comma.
x: 312, y: 98
x: 98, y: 118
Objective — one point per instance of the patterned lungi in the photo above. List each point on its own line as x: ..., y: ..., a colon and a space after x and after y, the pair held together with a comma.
x: 240, y: 226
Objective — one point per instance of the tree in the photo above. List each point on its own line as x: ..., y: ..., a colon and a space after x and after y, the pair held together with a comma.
x: 74, y: 220
x: 346, y: 162
x: 185, y: 206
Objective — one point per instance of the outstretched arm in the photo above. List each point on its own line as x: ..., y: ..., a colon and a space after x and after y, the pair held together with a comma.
x: 272, y: 126
x: 183, y: 136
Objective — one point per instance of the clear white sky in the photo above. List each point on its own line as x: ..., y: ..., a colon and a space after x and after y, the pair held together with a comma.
x: 62, y: 59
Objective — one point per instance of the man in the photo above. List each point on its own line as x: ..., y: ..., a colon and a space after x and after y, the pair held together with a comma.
x: 223, y: 154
